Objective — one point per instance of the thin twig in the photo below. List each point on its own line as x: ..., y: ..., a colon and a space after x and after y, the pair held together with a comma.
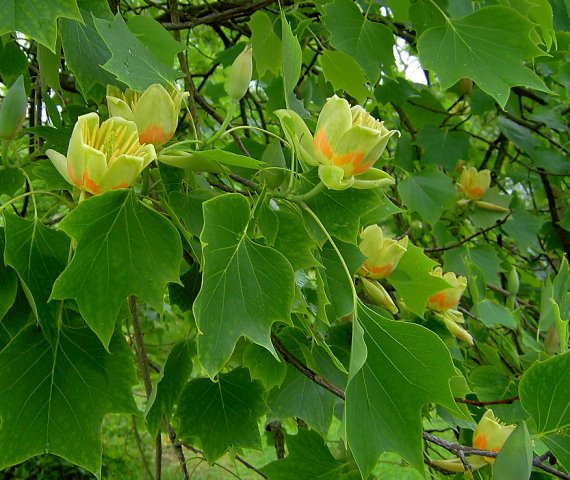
x: 140, y: 448
x: 315, y: 377
x: 479, y: 403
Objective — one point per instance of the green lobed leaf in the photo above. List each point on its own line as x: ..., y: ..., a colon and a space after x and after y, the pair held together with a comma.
x: 123, y: 248
x: 492, y: 315
x: 263, y: 366
x: 368, y: 42
x: 172, y: 380
x: 514, y: 461
x: 412, y: 279
x: 484, y: 256
x: 545, y: 396
x: 291, y: 57
x: 54, y: 400
x: 11, y: 180
x: 85, y: 51
x: 131, y: 61
x: 428, y: 193
x: 246, y: 287
x: 443, y: 147
x: 335, y: 65
x: 489, y: 46
x: 340, y: 211
x: 309, y: 458
x: 8, y: 282
x: 293, y: 240
x: 36, y: 19
x: 223, y: 414
x: 298, y: 396
x: 156, y: 38
x: 395, y: 369
x: 266, y: 45
x: 39, y: 255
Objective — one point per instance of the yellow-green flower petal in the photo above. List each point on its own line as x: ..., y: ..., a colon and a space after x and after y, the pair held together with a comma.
x: 333, y: 177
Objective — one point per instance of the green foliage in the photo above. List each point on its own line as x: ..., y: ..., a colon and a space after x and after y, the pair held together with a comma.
x: 237, y: 282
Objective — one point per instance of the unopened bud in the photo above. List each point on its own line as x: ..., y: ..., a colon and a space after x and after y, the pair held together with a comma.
x: 513, y: 282
x: 13, y: 111
x: 240, y: 75
x: 378, y: 294
x: 493, y: 207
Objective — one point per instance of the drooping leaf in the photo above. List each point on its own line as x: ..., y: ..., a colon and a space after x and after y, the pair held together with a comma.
x: 489, y: 46
x: 173, y: 377
x: 123, y: 248
x: 429, y: 193
x: 266, y: 44
x: 291, y: 57
x: 368, y: 42
x: 36, y: 19
x: 223, y: 414
x: 412, y: 279
x: 514, y: 461
x: 55, y: 400
x: 335, y: 65
x: 545, y: 395
x: 395, y: 369
x: 308, y: 457
x: 493, y: 314
x: 293, y: 240
x: 131, y: 61
x: 246, y: 287
x: 39, y: 255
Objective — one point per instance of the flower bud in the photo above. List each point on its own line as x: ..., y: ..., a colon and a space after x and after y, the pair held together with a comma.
x: 240, y: 75
x: 13, y: 110
x: 383, y: 254
x: 491, y: 434
x: 378, y: 295
x: 493, y: 207
x: 453, y: 321
x: 155, y: 111
x: 473, y: 184
x: 448, y: 297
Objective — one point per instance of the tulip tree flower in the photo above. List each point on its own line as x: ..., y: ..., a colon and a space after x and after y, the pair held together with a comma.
x: 383, y: 254
x: 448, y: 297
x: 490, y: 434
x: 473, y: 184
x: 103, y: 157
x: 155, y: 111
x: 347, y: 142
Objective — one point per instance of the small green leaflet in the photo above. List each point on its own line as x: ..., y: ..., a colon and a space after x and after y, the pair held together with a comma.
x: 489, y: 46
x: 223, y: 414
x: 335, y: 65
x: 123, y: 248
x: 55, y: 400
x: 246, y: 287
x: 545, y: 396
x: 36, y: 19
x: 131, y: 61
x: 396, y: 368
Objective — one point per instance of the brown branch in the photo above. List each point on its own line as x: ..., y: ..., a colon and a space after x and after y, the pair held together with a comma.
x: 470, y: 237
x: 562, y: 234
x: 479, y: 403
x: 140, y: 448
x: 239, y: 11
x: 315, y: 377
x: 178, y: 452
